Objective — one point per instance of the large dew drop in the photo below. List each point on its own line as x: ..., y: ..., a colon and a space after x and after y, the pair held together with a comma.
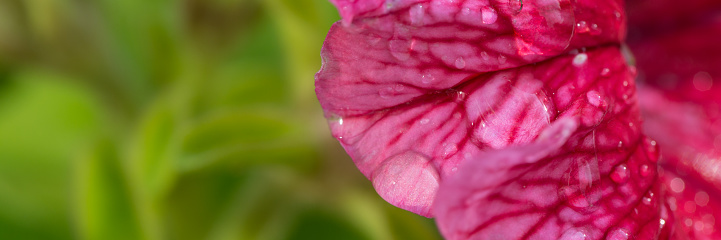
x: 408, y: 180
x: 489, y: 15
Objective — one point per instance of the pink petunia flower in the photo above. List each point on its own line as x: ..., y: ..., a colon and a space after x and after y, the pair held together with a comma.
x: 510, y: 119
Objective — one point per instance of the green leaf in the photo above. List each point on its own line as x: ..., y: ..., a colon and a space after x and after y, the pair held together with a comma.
x: 103, y: 201
x: 44, y: 123
x: 241, y: 138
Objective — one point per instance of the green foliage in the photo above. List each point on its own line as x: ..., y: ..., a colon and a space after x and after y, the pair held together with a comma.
x: 175, y: 119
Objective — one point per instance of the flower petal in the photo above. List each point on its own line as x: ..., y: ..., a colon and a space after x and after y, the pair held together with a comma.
x: 689, y: 136
x: 680, y: 97
x: 419, y: 47
x: 567, y: 186
x: 433, y: 133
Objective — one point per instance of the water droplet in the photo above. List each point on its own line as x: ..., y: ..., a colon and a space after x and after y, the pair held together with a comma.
x: 702, y: 81
x: 399, y: 49
x: 618, y: 234
x: 386, y: 92
x: 605, y: 72
x: 582, y: 27
x: 594, y: 98
x: 460, y: 96
x: 595, y: 30
x: 502, y: 59
x: 405, y: 172
x: 587, y: 173
x: 580, y: 59
x: 427, y: 78
x: 645, y: 170
x: 485, y: 56
x: 620, y: 174
x: 652, y: 150
x: 625, y: 83
x: 449, y: 150
x: 489, y: 15
x: 620, y: 144
x: 515, y: 6
x: 574, y: 234
x: 417, y: 13
x: 646, y: 200
x: 617, y: 14
x: 460, y: 63
x: 424, y: 121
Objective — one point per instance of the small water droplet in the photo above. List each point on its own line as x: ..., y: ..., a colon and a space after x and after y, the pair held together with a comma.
x: 485, y: 56
x: 460, y: 96
x: 582, y: 27
x: 652, y: 150
x: 620, y: 174
x: 605, y: 72
x: 502, y: 59
x: 574, y: 234
x: 489, y: 15
x: 399, y: 49
x: 645, y: 170
x: 617, y: 14
x: 460, y: 63
x: 594, y: 98
x: 457, y: 115
x: 625, y: 83
x: 595, y: 30
x: 620, y: 144
x: 454, y: 169
x: 580, y: 59
x: 386, y: 92
x: 417, y: 13
x: 424, y: 121
x: 427, y: 78
x: 515, y: 6
x: 449, y: 150
x: 618, y: 234
x: 646, y: 200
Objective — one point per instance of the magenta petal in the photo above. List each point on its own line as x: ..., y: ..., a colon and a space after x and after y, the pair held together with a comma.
x: 407, y: 149
x: 569, y: 184
x: 402, y: 53
x: 680, y: 100
x: 688, y: 133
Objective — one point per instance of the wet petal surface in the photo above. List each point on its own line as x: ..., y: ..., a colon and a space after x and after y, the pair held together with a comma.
x: 565, y: 185
x: 680, y: 72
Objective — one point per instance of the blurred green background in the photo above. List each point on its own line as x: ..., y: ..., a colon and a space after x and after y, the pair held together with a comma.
x: 175, y: 119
